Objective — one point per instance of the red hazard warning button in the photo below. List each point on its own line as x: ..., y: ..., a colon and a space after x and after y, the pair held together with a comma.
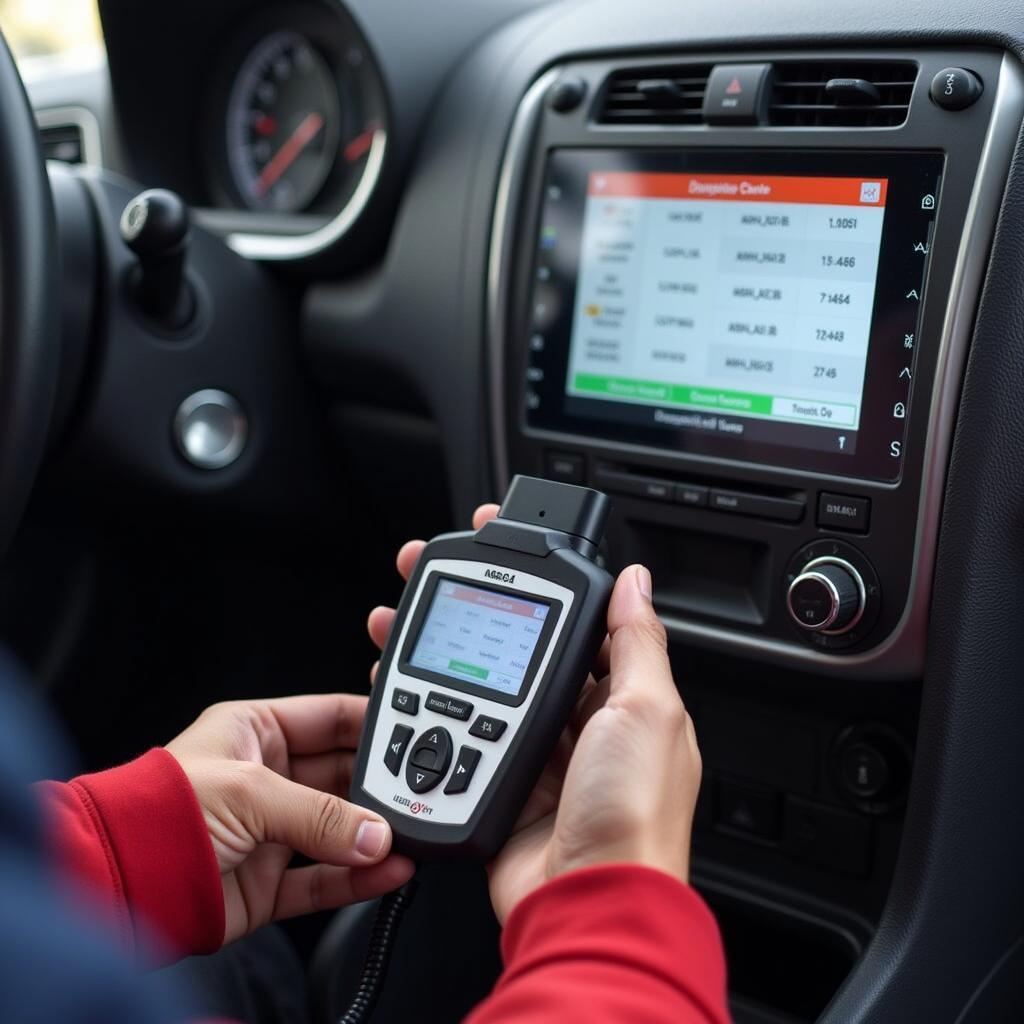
x: 737, y: 94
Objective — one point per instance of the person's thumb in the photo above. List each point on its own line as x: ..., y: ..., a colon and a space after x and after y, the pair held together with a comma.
x: 639, y: 653
x: 318, y: 824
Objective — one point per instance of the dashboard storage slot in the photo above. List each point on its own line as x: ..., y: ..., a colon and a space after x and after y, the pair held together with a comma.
x: 725, y: 578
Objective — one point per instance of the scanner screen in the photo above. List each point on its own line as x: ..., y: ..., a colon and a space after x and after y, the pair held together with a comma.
x: 480, y: 636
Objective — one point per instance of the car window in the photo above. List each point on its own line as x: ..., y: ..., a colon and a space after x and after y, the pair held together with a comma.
x: 47, y: 36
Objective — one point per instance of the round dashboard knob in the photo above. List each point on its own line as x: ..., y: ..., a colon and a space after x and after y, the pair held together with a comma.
x: 211, y: 429
x: 827, y: 597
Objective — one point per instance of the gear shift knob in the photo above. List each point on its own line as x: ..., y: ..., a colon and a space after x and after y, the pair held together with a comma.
x: 155, y: 226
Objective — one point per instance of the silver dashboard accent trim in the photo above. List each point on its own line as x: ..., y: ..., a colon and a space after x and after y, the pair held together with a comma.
x: 258, y: 246
x: 902, y: 653
x: 81, y: 118
x: 211, y: 429
x: 514, y: 166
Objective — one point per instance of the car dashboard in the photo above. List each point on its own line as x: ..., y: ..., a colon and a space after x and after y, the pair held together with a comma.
x: 755, y: 273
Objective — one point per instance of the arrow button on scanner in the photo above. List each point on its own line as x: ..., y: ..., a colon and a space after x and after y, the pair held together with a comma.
x: 465, y: 766
x: 419, y: 780
x: 400, y: 737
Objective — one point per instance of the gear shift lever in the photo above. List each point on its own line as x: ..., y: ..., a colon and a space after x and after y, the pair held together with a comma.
x: 155, y: 225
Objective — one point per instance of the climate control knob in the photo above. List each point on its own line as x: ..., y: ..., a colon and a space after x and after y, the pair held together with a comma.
x: 827, y: 596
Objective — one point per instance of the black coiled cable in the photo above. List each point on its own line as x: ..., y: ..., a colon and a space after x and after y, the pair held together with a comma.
x: 378, y: 955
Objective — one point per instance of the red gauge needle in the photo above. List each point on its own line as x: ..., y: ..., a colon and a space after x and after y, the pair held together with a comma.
x: 360, y: 144
x: 286, y: 155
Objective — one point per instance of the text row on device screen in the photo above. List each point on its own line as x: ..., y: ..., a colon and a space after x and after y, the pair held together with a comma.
x: 750, y: 295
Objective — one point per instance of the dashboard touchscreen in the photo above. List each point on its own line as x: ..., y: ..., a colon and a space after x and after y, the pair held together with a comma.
x: 750, y: 306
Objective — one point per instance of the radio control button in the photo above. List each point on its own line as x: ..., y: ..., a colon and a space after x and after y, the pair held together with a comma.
x: 844, y: 512
x: 786, y: 510
x: 566, y: 467
x: 403, y: 700
x: 400, y: 737
x: 451, y: 706
x: 618, y: 482
x: 487, y: 728
x: 656, y: 490
x: 955, y: 88
x: 465, y: 766
x: 827, y: 597
x: 419, y: 780
x: 691, y: 494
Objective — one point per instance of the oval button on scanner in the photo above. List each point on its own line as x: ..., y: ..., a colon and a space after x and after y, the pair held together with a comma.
x: 432, y: 752
x: 430, y: 758
x: 487, y: 728
x: 451, y: 706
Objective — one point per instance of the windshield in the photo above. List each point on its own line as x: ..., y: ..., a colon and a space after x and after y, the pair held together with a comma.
x: 47, y: 36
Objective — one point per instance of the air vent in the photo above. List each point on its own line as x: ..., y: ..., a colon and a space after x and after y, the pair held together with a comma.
x: 62, y: 142
x: 667, y: 94
x: 841, y: 94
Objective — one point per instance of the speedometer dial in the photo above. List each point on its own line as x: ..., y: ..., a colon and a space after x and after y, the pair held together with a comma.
x: 284, y: 123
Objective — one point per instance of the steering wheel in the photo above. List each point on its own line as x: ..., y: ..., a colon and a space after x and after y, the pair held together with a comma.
x: 29, y: 298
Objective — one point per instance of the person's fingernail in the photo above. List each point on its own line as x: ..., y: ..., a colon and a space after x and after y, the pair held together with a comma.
x: 643, y: 581
x: 371, y: 837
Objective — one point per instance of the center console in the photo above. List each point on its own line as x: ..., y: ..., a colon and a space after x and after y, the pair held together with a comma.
x: 737, y: 295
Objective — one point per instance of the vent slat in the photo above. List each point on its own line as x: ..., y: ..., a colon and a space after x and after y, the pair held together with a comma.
x: 816, y: 85
x: 838, y: 107
x: 623, y: 95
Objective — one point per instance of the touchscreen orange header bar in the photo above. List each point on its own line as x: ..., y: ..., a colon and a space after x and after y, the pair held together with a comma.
x: 740, y: 188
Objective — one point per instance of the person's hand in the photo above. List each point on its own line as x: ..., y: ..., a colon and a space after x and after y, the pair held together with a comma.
x: 267, y: 774
x: 622, y: 783
x: 634, y: 770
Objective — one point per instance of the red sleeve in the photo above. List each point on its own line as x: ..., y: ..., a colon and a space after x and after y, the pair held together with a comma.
x: 613, y: 944
x: 133, y: 838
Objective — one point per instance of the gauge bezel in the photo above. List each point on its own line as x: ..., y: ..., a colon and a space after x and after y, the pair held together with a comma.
x: 266, y: 234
